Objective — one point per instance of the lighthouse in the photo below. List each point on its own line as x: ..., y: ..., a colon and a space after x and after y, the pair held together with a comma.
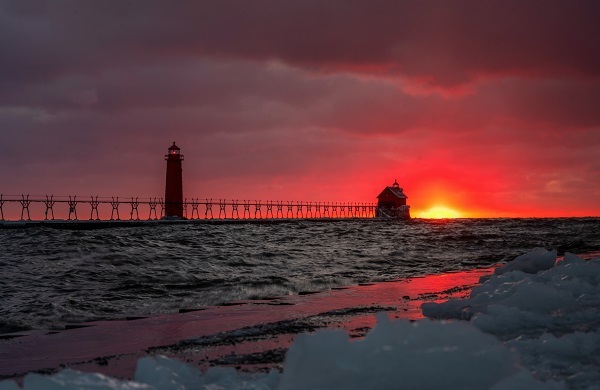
x: 174, y: 183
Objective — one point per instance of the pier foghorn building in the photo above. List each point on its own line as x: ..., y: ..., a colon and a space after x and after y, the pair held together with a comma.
x: 391, y: 203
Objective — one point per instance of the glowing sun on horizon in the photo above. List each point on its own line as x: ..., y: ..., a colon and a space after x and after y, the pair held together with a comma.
x: 438, y: 212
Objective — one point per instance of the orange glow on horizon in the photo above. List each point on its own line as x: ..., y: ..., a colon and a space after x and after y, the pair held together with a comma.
x: 440, y: 212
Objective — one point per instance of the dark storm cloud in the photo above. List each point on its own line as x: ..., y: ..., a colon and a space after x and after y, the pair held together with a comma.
x: 213, y: 96
x: 115, y: 55
x: 441, y: 42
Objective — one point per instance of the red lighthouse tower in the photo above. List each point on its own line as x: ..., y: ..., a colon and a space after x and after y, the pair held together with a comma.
x: 174, y: 184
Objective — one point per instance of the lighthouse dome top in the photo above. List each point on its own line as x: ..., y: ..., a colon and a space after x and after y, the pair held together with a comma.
x: 174, y: 153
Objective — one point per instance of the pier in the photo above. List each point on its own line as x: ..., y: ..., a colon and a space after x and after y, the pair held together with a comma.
x: 94, y: 211
x: 59, y: 211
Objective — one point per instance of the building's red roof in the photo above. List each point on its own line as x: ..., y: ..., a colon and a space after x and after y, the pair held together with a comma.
x: 174, y: 147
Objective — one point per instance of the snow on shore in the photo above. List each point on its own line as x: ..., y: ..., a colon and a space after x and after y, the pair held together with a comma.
x: 531, y: 325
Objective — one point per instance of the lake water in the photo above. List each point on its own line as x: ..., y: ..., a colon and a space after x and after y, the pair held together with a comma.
x: 51, y: 277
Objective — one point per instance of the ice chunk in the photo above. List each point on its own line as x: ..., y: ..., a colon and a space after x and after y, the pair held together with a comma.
x: 420, y: 355
x: 537, y: 260
x: 551, y: 318
x: 161, y: 372
x: 575, y: 355
x: 71, y: 379
x: 8, y: 385
x: 165, y: 373
x: 565, y: 297
x: 152, y: 373
x: 525, y: 381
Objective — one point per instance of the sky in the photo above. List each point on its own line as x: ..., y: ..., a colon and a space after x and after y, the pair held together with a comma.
x: 477, y: 108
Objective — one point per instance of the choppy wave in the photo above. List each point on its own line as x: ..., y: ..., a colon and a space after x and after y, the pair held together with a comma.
x: 53, y: 277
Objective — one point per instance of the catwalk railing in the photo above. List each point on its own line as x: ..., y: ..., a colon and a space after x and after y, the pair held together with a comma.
x: 135, y: 208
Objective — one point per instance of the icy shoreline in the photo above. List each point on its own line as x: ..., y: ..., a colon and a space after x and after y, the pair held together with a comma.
x: 547, y: 311
x: 533, y: 324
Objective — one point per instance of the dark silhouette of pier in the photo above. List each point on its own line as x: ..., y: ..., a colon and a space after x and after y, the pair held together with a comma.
x: 174, y: 208
x: 95, y: 208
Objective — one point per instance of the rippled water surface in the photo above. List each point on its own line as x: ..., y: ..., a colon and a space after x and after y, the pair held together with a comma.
x: 50, y: 277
